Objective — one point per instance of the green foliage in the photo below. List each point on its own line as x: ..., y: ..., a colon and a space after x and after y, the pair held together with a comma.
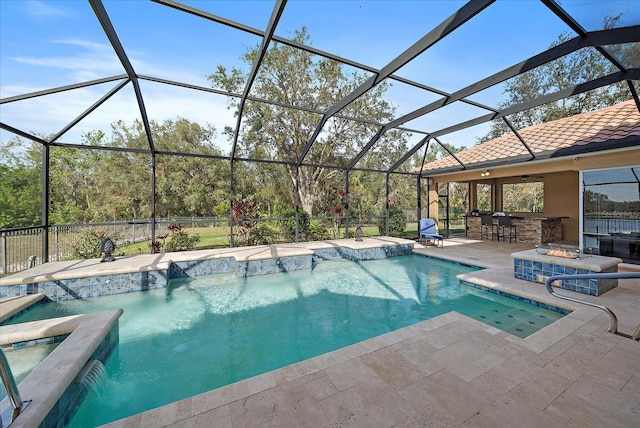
x: 222, y: 208
x: 177, y: 239
x: 484, y: 192
x: 397, y: 223
x: 308, y: 230
x: 103, y: 185
x: 317, y: 231
x: 366, y: 194
x: 19, y: 209
x: 88, y: 241
x: 523, y: 197
x: 237, y: 241
x: 458, y: 200
x: 565, y: 72
x: 288, y: 225
x: 293, y: 76
x: 245, y: 218
x: 20, y: 185
x: 181, y: 241
x: 264, y: 234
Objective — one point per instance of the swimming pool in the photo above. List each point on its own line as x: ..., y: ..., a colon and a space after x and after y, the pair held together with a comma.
x: 200, y: 334
x: 23, y: 361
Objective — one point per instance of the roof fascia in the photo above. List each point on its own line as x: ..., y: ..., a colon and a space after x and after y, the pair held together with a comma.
x: 574, y: 90
x: 632, y: 141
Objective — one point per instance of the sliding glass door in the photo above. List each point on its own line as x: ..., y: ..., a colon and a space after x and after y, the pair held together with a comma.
x: 611, y: 212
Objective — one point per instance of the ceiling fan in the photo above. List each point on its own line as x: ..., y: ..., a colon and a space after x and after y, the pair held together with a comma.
x: 527, y: 177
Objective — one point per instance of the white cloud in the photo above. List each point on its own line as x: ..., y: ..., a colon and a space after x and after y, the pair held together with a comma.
x: 96, y: 58
x: 40, y: 10
x: 47, y: 115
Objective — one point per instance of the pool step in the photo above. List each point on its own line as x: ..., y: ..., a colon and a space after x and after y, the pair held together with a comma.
x: 516, y: 321
x: 9, y: 306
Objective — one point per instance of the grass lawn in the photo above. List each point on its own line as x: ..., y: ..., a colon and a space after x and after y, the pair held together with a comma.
x: 218, y: 237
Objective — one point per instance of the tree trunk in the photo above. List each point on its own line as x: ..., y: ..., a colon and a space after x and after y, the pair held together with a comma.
x: 307, y: 186
x: 306, y: 201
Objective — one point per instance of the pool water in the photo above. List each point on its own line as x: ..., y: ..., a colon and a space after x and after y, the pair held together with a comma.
x: 23, y: 361
x: 204, y: 333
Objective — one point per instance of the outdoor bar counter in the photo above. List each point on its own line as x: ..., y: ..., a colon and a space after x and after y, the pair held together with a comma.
x: 537, y: 230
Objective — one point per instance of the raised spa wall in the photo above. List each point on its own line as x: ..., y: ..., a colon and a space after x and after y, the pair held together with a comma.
x: 55, y: 387
x: 160, y: 275
x: 531, y: 266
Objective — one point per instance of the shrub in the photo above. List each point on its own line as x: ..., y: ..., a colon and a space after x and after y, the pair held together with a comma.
x: 181, y: 241
x: 317, y: 231
x: 245, y: 218
x: 288, y: 225
x: 237, y: 241
x: 264, y: 234
x: 397, y: 223
x: 177, y: 240
x: 87, y: 244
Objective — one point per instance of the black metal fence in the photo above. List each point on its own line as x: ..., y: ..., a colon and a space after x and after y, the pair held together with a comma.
x: 18, y: 246
x: 21, y: 248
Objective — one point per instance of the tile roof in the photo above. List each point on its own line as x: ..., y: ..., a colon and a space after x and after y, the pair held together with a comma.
x: 596, y: 130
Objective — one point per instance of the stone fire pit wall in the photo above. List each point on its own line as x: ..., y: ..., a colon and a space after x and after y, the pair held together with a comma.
x: 531, y: 266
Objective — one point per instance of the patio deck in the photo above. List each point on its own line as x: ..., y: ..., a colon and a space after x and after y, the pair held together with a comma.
x: 450, y: 371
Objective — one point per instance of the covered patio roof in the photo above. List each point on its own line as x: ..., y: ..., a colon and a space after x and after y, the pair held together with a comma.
x: 615, y: 127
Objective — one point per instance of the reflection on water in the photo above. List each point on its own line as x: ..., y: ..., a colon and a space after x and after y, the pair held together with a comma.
x: 203, y: 333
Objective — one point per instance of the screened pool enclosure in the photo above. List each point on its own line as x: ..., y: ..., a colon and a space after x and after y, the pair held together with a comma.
x: 313, y: 116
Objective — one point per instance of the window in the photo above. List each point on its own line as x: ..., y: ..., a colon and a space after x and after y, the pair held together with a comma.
x: 611, y: 212
x: 523, y: 197
x: 484, y: 197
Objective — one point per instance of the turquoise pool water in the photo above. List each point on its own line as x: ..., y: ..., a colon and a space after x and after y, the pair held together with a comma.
x: 23, y: 361
x: 203, y: 333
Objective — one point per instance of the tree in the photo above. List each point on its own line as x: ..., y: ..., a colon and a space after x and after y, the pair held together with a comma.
x: 523, y: 197
x: 185, y: 185
x: 20, y: 185
x: 296, y: 78
x: 580, y: 66
x: 104, y: 185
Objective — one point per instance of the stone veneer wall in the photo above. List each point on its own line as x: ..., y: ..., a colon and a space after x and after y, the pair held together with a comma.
x: 534, y: 230
x: 82, y: 288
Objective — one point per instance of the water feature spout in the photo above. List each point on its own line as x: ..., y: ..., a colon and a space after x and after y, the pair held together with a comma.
x: 91, y: 374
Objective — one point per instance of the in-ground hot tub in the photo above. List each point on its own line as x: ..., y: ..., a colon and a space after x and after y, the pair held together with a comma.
x: 532, y: 266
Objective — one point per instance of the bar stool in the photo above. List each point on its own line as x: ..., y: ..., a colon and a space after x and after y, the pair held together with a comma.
x: 486, y: 226
x: 506, y: 229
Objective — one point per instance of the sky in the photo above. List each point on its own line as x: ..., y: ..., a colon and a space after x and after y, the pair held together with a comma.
x: 48, y: 44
